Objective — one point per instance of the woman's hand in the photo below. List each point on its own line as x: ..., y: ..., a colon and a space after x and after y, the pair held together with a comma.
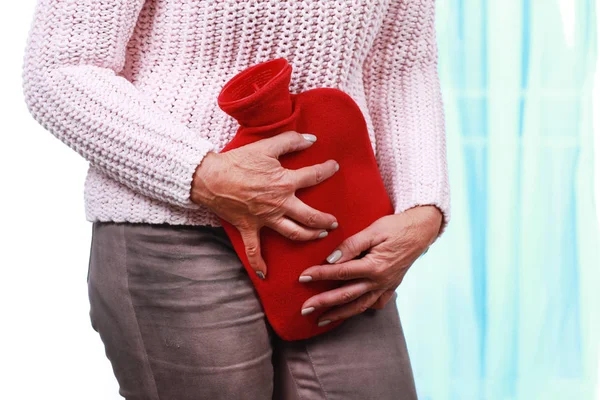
x: 249, y: 188
x: 393, y: 242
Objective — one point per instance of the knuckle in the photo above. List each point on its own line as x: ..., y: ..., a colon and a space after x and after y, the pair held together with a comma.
x: 312, y: 219
x: 252, y: 250
x: 269, y: 207
x: 363, y: 307
x: 287, y: 182
x: 343, y: 273
x: 350, y: 244
x: 319, y: 175
x: 378, y: 272
x: 276, y: 206
x: 347, y: 297
x: 245, y: 226
x: 275, y: 218
x: 295, y: 234
x: 373, y: 266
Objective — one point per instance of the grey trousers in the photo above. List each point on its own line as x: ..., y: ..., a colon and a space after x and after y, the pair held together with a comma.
x: 180, y: 319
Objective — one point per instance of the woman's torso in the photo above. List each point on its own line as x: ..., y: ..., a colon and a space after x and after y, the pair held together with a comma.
x: 182, y: 52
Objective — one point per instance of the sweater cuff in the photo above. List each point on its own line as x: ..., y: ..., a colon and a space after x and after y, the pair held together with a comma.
x: 119, y: 130
x: 418, y: 141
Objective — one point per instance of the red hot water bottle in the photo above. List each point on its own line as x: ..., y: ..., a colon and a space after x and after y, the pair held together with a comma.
x: 260, y: 100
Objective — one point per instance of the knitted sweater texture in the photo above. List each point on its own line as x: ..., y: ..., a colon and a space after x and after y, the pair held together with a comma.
x: 132, y: 86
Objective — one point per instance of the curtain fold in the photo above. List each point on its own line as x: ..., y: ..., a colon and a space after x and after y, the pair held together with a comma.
x: 504, y: 305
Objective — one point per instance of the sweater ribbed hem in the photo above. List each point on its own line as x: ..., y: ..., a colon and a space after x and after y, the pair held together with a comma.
x: 108, y: 200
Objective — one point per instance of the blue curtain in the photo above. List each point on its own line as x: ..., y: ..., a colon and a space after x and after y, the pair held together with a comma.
x: 506, y: 304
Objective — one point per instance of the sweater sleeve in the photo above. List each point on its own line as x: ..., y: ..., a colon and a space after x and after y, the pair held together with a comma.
x: 73, y: 87
x: 405, y: 103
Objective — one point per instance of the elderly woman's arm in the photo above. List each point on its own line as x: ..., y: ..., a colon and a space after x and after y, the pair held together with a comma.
x: 405, y: 103
x: 73, y: 86
x: 71, y: 83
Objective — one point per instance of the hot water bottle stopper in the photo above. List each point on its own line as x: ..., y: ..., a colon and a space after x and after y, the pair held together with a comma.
x: 260, y: 101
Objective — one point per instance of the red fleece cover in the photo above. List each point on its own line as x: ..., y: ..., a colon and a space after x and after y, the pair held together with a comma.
x: 260, y: 100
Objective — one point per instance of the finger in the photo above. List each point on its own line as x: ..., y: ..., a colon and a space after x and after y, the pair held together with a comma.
x: 251, y: 240
x: 352, y: 246
x: 352, y: 269
x: 341, y: 295
x: 313, y: 174
x: 351, y: 309
x: 293, y: 231
x: 308, y: 216
x: 383, y: 299
x: 287, y: 142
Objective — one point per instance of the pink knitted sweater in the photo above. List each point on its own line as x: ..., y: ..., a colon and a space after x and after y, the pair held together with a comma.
x: 132, y: 86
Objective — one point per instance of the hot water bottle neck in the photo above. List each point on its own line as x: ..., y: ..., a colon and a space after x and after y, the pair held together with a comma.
x: 260, y: 101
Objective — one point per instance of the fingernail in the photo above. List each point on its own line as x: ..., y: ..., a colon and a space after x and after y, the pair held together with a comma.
x: 310, y: 137
x: 333, y: 257
x: 260, y: 274
x: 323, y: 323
x: 323, y: 234
x: 308, y: 310
x: 334, y: 225
x: 305, y: 278
x: 337, y: 167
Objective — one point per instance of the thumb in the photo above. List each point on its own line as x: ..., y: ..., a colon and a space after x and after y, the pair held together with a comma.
x: 354, y: 245
x: 251, y: 239
x: 287, y: 142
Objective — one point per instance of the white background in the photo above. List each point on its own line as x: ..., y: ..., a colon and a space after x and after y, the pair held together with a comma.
x: 48, y: 347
